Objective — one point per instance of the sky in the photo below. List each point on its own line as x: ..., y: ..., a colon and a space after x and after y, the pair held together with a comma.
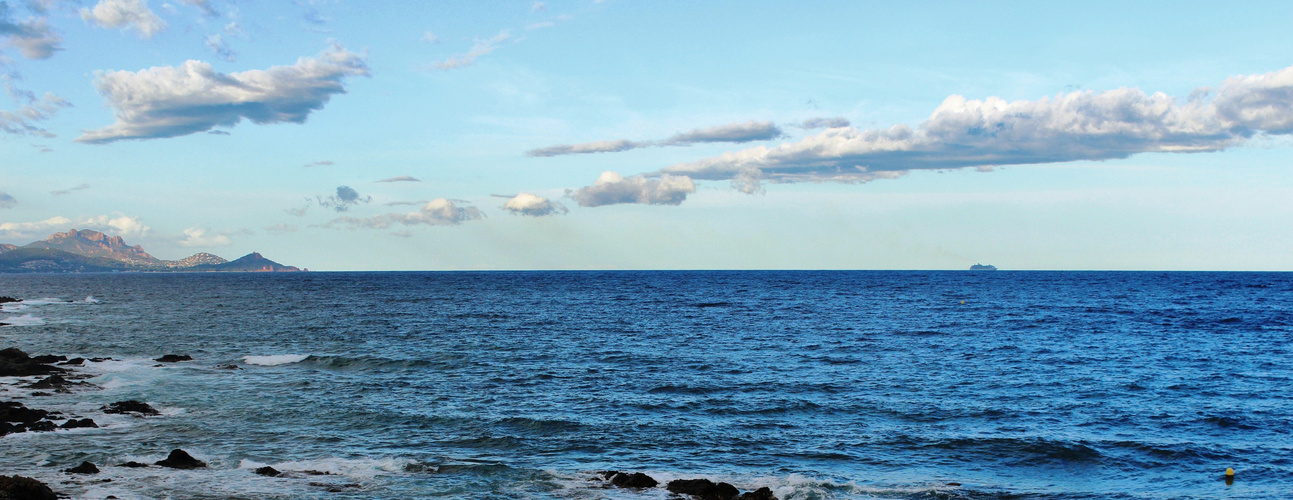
x: 625, y: 134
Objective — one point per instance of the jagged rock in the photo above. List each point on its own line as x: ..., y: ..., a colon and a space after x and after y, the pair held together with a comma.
x: 42, y: 426
x: 268, y: 471
x: 139, y: 407
x: 703, y: 489
x: 174, y: 358
x: 84, y: 468
x: 78, y: 424
x: 759, y: 494
x: 15, y: 363
x: 629, y: 480
x: 180, y: 459
x: 13, y: 411
x: 24, y: 488
x: 48, y: 359
x: 50, y: 382
x: 134, y: 465
x: 74, y: 362
x: 6, y: 300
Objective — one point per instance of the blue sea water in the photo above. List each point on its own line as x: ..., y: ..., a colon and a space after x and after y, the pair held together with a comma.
x: 849, y: 385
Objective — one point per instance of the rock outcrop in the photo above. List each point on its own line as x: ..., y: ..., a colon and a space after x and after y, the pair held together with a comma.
x: 180, y: 459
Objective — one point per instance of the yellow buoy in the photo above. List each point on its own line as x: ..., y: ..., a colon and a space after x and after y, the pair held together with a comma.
x: 962, y: 301
x: 1230, y: 472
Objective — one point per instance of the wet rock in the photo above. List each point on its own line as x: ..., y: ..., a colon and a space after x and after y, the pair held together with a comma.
x: 268, y: 471
x: 703, y: 489
x: 100, y: 360
x: 229, y: 366
x: 79, y: 424
x: 759, y: 494
x: 134, y: 465
x: 13, y: 411
x: 174, y: 358
x: 629, y: 480
x: 6, y: 300
x: 48, y: 359
x: 15, y: 363
x: 41, y: 394
x: 50, y: 382
x: 24, y: 488
x: 180, y: 459
x: 42, y: 426
x: 84, y: 468
x: 74, y: 362
x: 138, y: 407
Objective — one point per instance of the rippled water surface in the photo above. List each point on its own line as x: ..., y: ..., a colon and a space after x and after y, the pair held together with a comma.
x: 816, y: 384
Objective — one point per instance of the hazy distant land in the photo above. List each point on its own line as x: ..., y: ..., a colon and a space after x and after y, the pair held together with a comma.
x: 82, y: 251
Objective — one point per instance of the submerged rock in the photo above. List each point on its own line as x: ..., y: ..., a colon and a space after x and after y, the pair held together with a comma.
x: 180, y: 459
x: 268, y: 471
x: 74, y: 362
x: 174, y: 358
x: 132, y: 406
x: 84, y: 468
x: 763, y: 493
x: 6, y: 300
x: 134, y: 465
x: 24, y: 488
x: 703, y: 489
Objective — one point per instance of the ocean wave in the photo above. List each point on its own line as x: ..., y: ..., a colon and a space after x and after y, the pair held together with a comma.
x: 275, y: 359
x: 353, y: 468
x: 347, y: 363
x: 89, y: 299
x: 1023, y: 450
x: 24, y: 320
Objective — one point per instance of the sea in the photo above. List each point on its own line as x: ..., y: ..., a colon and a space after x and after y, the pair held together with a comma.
x: 524, y: 385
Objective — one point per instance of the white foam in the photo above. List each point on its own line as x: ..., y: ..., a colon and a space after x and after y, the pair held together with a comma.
x: 24, y: 320
x: 89, y: 299
x: 43, y: 301
x: 358, y: 469
x: 275, y: 360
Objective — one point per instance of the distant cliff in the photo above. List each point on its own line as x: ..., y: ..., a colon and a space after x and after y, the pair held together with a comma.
x: 81, y: 251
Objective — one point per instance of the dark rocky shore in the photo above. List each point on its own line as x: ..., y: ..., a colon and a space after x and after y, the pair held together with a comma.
x: 57, y: 374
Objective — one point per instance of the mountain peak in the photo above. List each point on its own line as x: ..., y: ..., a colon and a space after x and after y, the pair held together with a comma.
x: 95, y: 244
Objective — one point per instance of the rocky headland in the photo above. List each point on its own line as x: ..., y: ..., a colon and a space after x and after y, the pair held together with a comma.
x: 86, y: 250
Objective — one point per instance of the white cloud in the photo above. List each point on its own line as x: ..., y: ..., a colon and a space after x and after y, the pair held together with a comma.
x: 67, y: 191
x: 834, y: 122
x: 118, y: 225
x: 22, y: 120
x: 200, y: 237
x: 437, y: 212
x: 345, y: 198
x: 171, y: 101
x: 533, y: 205
x: 612, y: 188
x: 33, y: 38
x: 402, y: 178
x: 221, y: 48
x: 202, y: 5
x: 430, y: 37
x: 7, y: 200
x: 126, y: 14
x: 732, y: 132
x: 481, y: 48
x: 1082, y: 125
x: 538, y: 7
x: 587, y: 147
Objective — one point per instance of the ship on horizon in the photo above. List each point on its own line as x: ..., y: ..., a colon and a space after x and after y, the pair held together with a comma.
x: 981, y: 267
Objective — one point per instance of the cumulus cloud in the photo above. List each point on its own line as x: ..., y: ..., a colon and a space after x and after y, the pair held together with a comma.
x: 533, y: 205
x: 62, y: 192
x: 612, y: 188
x: 481, y: 48
x: 119, y: 225
x: 402, y: 178
x: 170, y: 101
x: 588, y: 147
x: 1083, y: 125
x: 345, y: 198
x: 733, y: 132
x: 22, y: 121
x: 33, y: 37
x: 7, y: 201
x: 201, y: 237
x: 125, y: 14
x: 437, y: 212
x: 814, y: 123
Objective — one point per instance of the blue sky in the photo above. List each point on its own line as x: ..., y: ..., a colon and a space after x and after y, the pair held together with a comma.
x: 342, y: 135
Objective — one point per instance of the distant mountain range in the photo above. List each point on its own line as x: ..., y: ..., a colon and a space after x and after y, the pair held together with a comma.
x: 83, y: 251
